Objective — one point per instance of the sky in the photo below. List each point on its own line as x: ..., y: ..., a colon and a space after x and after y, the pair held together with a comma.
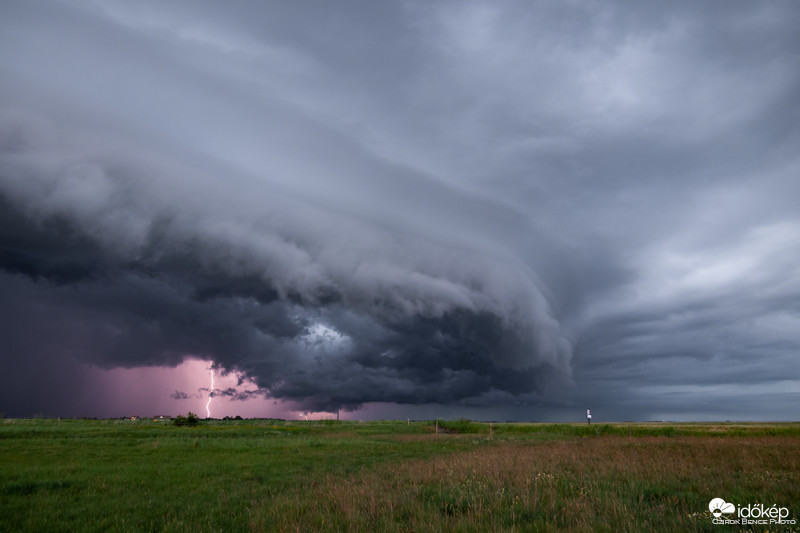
x: 493, y: 210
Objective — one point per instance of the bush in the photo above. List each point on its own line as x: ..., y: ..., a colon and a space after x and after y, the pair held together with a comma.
x: 462, y: 425
x: 189, y: 420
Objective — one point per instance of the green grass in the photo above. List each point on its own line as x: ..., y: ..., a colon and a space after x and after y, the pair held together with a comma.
x: 274, y: 475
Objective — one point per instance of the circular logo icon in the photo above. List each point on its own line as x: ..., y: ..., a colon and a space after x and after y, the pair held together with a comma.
x: 718, y: 506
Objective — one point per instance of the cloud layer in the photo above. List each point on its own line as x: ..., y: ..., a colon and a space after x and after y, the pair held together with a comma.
x: 455, y: 204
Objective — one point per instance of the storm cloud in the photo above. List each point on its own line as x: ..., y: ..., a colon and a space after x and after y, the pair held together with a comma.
x: 456, y: 204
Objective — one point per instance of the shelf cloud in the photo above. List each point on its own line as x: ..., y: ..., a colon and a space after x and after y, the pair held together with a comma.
x: 457, y: 204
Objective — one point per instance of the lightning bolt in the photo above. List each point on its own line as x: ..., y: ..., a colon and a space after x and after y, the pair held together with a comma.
x: 210, y: 395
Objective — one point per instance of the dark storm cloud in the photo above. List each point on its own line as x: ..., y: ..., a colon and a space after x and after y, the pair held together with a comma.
x: 180, y: 395
x: 414, y: 203
x: 240, y: 395
x: 133, y: 274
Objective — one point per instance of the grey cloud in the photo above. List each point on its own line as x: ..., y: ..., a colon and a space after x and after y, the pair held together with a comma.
x: 180, y: 395
x: 418, y: 203
x: 235, y: 288
x: 241, y: 395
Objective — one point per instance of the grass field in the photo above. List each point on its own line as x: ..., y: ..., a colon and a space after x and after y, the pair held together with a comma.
x: 272, y: 475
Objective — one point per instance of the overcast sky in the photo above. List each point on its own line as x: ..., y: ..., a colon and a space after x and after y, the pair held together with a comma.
x: 501, y: 210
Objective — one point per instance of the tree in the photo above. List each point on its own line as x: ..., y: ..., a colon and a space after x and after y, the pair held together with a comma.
x: 189, y: 420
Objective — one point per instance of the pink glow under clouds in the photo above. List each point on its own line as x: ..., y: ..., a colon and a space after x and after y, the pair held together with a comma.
x: 147, y: 391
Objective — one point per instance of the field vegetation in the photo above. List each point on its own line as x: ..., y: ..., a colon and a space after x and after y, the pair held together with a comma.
x: 274, y: 475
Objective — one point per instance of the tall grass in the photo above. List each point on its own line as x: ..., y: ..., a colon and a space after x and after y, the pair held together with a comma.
x: 272, y: 475
x: 606, y: 484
